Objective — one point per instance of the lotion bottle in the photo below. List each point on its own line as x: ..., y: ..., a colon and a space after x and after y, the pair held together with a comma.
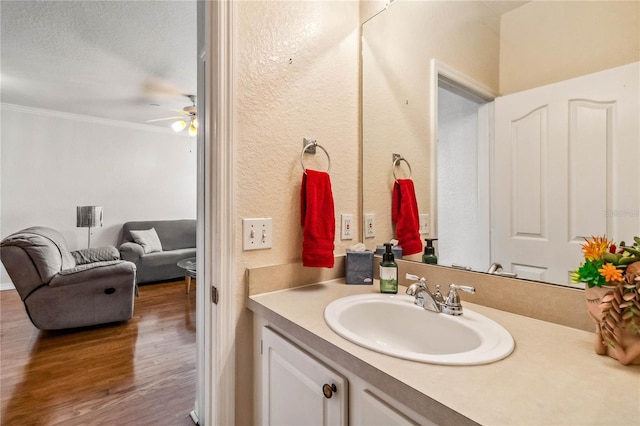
x: 429, y: 255
x: 388, y: 272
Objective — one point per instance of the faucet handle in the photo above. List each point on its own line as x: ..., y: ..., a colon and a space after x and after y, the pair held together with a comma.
x: 422, y: 281
x: 452, y: 305
x: 413, y: 289
x: 466, y: 288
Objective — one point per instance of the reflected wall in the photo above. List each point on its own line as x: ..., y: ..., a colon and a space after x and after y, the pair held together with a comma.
x: 507, y: 47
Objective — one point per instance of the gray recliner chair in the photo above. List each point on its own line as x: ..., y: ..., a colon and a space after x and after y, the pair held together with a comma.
x: 62, y: 289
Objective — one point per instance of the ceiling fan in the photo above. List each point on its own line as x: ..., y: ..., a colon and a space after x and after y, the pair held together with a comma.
x: 187, y: 118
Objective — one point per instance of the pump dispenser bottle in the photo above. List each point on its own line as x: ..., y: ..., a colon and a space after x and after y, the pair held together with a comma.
x: 388, y: 272
x: 429, y: 255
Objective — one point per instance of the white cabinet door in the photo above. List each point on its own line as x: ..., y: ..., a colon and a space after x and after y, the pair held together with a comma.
x: 373, y: 410
x: 294, y: 386
x: 566, y: 159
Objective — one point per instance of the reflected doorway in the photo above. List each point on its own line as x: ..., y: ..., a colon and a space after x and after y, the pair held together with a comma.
x: 463, y: 177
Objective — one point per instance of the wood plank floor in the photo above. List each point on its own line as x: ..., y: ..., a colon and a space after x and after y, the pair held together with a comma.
x: 139, y: 372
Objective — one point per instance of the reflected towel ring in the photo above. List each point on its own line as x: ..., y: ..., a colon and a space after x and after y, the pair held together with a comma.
x: 310, y: 145
x: 396, y: 162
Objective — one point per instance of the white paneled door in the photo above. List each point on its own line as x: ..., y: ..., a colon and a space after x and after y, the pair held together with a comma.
x: 566, y: 161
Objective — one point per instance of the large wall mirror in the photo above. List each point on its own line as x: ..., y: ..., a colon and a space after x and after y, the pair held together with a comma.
x: 517, y: 122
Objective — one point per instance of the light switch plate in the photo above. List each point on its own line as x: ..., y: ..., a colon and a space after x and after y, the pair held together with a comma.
x: 424, y: 223
x: 347, y: 226
x: 257, y: 233
x: 369, y: 225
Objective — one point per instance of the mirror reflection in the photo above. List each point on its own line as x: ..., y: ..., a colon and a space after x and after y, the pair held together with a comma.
x: 519, y: 122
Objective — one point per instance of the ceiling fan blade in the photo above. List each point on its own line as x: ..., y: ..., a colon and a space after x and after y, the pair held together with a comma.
x: 166, y: 118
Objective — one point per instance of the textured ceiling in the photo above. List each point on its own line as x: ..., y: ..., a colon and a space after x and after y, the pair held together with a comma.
x: 108, y: 59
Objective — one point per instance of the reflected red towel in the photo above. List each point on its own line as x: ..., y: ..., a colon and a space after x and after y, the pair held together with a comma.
x: 317, y: 219
x: 404, y: 213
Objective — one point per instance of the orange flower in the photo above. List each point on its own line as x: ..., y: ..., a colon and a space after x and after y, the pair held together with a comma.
x: 610, y: 272
x: 594, y: 249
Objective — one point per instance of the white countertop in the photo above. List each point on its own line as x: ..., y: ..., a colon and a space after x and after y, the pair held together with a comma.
x: 552, y: 377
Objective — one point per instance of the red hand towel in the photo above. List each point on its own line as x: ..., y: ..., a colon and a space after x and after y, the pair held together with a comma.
x: 404, y: 213
x: 317, y: 219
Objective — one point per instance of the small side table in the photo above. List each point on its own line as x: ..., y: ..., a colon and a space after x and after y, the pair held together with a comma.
x: 189, y: 266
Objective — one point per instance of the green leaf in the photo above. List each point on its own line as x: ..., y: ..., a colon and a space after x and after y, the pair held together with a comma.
x: 612, y: 258
x: 627, y: 260
x: 632, y: 251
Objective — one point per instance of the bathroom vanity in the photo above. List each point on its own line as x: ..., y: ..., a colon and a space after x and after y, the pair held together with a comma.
x: 552, y: 377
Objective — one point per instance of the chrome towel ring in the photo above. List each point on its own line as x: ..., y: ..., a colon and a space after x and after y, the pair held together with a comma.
x: 397, y: 158
x: 310, y: 148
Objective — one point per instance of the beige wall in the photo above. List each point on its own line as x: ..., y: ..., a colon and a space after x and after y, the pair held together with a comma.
x: 398, y: 46
x: 296, y: 76
x: 369, y: 8
x: 546, y: 42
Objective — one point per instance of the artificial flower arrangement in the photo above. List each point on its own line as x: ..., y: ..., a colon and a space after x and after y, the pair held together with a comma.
x: 615, y: 268
x: 605, y: 262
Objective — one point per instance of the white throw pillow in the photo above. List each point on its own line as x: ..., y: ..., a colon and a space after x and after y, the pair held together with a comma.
x: 148, y: 239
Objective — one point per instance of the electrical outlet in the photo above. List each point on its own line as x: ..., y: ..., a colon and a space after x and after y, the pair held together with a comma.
x: 369, y: 225
x: 424, y: 223
x: 347, y: 226
x: 257, y: 233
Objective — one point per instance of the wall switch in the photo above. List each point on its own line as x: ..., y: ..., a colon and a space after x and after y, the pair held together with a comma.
x: 369, y: 225
x: 424, y: 223
x: 347, y: 226
x: 257, y: 233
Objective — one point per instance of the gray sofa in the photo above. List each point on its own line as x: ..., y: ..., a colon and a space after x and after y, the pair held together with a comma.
x: 62, y: 289
x: 178, y: 239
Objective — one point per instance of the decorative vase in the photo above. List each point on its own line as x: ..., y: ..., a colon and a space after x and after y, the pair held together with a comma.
x: 613, y: 337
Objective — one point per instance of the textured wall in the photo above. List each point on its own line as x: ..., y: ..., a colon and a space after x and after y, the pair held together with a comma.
x: 53, y: 162
x: 547, y: 42
x: 398, y: 45
x: 296, y: 76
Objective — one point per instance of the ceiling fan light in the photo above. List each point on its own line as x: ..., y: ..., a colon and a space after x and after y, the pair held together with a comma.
x: 194, y: 123
x: 192, y: 130
x: 179, y: 125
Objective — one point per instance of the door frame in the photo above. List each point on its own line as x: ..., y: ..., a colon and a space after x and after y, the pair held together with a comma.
x: 464, y: 85
x: 215, y: 330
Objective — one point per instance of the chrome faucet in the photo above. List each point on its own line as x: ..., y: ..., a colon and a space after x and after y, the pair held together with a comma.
x: 424, y: 298
x: 496, y: 269
x: 434, y: 301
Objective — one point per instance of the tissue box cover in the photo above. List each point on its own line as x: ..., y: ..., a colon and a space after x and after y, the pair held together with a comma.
x: 359, y: 267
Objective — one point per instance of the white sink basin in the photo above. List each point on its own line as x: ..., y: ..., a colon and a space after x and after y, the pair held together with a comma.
x: 394, y: 325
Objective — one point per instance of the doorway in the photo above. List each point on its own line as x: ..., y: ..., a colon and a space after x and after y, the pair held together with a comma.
x: 461, y: 179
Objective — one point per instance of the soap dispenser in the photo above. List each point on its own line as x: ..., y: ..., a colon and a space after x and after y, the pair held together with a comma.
x: 388, y: 272
x: 429, y: 255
